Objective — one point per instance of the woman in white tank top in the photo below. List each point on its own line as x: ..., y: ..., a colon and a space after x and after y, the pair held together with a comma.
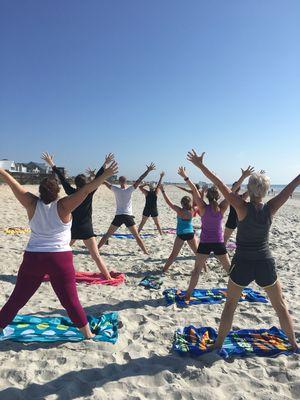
x: 48, y: 250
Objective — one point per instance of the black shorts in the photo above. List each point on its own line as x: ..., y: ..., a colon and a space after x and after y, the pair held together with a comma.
x: 119, y: 220
x: 148, y: 212
x: 186, y: 236
x: 219, y: 249
x: 263, y: 272
x: 231, y: 222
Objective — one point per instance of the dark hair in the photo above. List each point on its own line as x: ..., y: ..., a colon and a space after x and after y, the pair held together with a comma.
x: 49, y: 190
x: 197, y: 186
x: 213, y: 196
x: 80, y: 180
x: 186, y: 202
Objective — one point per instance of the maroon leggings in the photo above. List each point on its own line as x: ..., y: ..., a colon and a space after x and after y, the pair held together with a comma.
x: 59, y: 267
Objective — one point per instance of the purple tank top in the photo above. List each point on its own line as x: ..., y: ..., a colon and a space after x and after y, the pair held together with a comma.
x: 211, y: 229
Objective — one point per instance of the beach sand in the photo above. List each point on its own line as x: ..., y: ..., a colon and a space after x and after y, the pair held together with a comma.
x: 141, y: 365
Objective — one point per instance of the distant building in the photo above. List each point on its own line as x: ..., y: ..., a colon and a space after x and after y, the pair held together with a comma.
x: 37, y: 168
x: 21, y: 168
x: 8, y: 165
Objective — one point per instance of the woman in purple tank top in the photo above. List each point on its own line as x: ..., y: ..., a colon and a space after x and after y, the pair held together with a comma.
x: 253, y: 260
x: 211, y: 238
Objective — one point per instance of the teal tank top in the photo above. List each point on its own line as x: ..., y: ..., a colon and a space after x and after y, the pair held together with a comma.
x: 184, y: 226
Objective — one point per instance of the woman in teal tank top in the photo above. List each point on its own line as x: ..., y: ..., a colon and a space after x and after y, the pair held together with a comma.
x: 184, y: 230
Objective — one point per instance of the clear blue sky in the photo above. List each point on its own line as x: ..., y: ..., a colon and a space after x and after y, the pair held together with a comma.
x: 148, y: 80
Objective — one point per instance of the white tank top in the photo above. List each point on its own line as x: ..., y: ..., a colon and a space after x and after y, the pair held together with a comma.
x: 48, y: 232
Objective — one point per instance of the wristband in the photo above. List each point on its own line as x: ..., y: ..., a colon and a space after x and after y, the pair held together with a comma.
x: 187, y: 178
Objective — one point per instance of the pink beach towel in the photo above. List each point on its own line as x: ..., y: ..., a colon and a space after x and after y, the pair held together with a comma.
x: 94, y: 278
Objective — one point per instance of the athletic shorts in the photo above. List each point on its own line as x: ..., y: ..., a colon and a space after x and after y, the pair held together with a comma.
x: 150, y: 213
x: 186, y: 236
x: 219, y: 249
x: 263, y: 272
x: 119, y: 220
x: 231, y: 222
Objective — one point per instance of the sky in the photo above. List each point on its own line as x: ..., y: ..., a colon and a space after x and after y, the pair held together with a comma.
x: 149, y: 80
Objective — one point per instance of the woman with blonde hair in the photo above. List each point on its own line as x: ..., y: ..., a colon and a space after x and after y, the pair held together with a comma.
x: 253, y: 260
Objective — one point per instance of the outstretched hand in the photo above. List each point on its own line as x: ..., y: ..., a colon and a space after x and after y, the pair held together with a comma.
x: 247, y: 172
x: 90, y: 172
x: 194, y: 158
x: 48, y: 158
x: 151, y: 167
x: 109, y: 158
x: 182, y: 172
x: 111, y: 170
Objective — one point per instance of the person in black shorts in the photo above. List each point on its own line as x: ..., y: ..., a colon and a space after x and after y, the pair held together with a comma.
x: 253, y: 260
x: 82, y: 224
x: 150, y: 209
x: 123, y: 195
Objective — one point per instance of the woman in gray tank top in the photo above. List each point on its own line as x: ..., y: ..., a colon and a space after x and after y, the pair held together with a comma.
x: 253, y: 260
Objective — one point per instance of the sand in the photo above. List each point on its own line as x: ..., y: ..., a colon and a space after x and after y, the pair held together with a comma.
x: 141, y: 364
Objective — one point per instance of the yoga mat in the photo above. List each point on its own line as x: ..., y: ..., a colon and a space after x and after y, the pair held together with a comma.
x: 129, y: 235
x: 242, y: 343
x: 209, y: 296
x: 151, y: 282
x: 15, y: 230
x: 171, y: 231
x: 31, y: 328
x: 93, y: 278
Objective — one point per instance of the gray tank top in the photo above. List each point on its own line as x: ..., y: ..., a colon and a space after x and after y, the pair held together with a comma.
x: 253, y: 234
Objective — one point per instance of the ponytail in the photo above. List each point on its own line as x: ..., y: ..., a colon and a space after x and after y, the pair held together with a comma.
x: 213, y: 197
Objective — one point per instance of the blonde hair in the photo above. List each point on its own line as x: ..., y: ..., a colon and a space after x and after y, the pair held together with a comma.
x: 186, y: 202
x: 258, y: 185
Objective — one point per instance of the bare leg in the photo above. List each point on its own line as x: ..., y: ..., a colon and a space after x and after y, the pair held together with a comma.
x: 86, y: 331
x: 275, y: 295
x: 138, y: 239
x: 156, y: 221
x: 233, y: 297
x: 227, y: 234
x: 94, y: 252
x: 225, y: 261
x: 199, y: 265
x: 193, y: 244
x: 111, y: 230
x: 178, y: 243
x: 143, y: 221
x: 72, y: 242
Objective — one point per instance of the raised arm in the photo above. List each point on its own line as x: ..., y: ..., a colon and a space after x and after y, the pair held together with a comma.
x: 107, y: 184
x: 184, y: 189
x: 142, y: 188
x: 69, y: 203
x: 162, y: 174
x: 276, y: 202
x: 231, y: 197
x: 168, y: 201
x: 65, y: 184
x: 150, y: 168
x: 196, y: 196
x: 27, y: 199
x: 245, y: 174
x: 109, y: 158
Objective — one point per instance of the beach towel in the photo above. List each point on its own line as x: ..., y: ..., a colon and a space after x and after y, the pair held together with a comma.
x: 242, y: 343
x: 93, y: 278
x: 171, y: 231
x: 129, y: 235
x: 231, y: 245
x: 30, y: 328
x: 152, y: 282
x: 15, y: 230
x: 209, y: 296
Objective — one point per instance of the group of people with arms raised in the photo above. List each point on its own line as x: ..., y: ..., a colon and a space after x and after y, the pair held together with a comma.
x: 56, y: 223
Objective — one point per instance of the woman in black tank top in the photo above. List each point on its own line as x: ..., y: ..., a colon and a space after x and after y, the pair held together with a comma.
x: 253, y: 260
x: 150, y: 209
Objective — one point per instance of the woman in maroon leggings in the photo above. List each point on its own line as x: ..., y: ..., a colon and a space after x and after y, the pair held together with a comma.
x: 48, y: 250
